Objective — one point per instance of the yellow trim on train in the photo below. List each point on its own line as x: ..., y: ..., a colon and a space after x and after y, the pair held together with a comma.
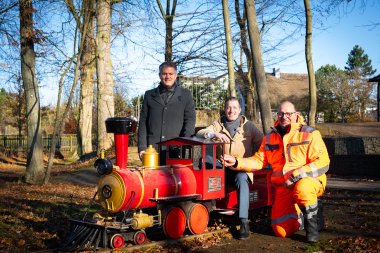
x: 175, y: 180
x: 142, y: 186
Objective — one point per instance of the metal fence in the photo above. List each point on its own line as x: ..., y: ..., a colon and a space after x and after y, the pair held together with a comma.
x: 17, y: 143
x: 10, y: 144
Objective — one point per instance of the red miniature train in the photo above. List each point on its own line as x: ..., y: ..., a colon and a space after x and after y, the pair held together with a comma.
x: 177, y: 196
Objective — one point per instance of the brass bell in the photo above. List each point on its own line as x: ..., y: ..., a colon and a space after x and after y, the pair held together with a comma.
x: 150, y: 158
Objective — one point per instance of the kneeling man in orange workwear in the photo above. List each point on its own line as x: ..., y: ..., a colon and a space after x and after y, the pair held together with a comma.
x: 299, y: 161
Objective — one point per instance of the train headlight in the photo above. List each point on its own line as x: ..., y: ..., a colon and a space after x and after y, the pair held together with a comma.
x: 103, y: 166
x: 107, y: 191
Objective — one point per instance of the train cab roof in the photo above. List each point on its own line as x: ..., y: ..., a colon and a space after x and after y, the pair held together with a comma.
x: 189, y: 140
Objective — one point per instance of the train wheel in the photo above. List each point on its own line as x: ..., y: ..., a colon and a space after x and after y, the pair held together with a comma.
x: 117, y: 241
x: 139, y: 237
x: 197, y: 220
x: 174, y: 224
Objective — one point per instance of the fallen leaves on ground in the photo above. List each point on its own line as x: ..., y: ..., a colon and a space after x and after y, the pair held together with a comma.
x: 35, y: 217
x: 38, y: 212
x: 355, y: 244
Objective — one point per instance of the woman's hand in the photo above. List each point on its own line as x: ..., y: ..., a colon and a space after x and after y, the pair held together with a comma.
x: 224, y: 138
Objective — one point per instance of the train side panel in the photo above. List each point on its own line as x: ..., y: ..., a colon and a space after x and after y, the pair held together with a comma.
x: 260, y: 193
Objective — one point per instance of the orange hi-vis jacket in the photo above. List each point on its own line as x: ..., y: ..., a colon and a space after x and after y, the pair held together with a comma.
x: 300, y: 153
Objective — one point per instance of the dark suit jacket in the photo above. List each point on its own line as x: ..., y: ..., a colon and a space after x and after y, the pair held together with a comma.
x: 159, y: 122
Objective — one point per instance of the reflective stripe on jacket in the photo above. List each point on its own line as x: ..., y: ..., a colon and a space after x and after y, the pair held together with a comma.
x: 300, y: 153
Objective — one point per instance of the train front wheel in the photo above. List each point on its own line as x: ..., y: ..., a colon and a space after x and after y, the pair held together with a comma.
x: 139, y: 237
x: 117, y: 241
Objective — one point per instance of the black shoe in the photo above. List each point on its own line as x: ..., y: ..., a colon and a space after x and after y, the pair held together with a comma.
x: 312, y: 237
x: 244, y: 230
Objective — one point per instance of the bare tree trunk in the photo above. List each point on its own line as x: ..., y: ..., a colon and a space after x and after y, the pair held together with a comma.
x: 105, y: 83
x: 168, y: 16
x: 58, y: 122
x: 169, y: 39
x: 20, y: 115
x: 258, y: 66
x: 230, y: 57
x: 310, y: 68
x: 87, y: 69
x: 87, y: 81
x: 34, y: 167
x: 251, y: 103
x: 59, y: 119
x: 248, y: 83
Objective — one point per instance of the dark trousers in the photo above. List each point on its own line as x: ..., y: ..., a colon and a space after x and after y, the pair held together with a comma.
x: 240, y: 181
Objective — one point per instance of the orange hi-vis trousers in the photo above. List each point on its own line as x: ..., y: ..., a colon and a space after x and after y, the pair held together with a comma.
x: 286, y: 214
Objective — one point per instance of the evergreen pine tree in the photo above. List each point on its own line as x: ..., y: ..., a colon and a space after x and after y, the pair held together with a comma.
x: 359, y: 63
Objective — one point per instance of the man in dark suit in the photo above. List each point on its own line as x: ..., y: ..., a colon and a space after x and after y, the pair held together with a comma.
x: 168, y: 111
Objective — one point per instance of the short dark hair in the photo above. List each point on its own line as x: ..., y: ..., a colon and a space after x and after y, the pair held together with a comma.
x: 228, y: 99
x: 167, y: 64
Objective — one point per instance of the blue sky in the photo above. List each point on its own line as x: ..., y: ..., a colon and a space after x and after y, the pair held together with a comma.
x: 343, y: 32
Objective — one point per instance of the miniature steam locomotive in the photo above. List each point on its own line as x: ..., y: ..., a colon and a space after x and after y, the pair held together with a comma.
x: 177, y: 197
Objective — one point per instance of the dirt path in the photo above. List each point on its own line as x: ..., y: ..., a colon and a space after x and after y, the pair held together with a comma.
x: 367, y: 129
